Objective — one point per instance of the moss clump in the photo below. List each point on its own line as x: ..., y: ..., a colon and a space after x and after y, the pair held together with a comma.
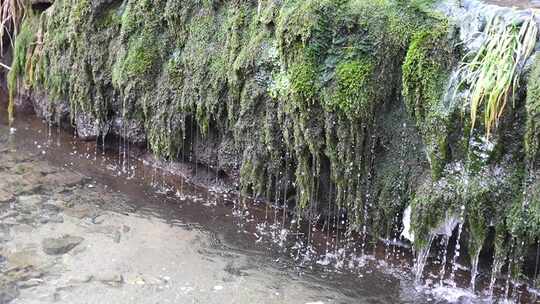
x: 426, y: 70
x: 432, y: 203
x: 354, y: 88
x: 532, y: 135
x: 304, y: 84
x: 141, y: 58
x: 22, y: 53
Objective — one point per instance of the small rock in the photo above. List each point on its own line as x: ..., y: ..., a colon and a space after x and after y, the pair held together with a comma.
x: 59, y: 246
x: 44, y: 168
x: 25, y: 219
x: 81, y: 212
x: 29, y: 283
x: 5, y: 197
x: 114, y: 280
x: 29, y: 202
x: 65, y: 178
x: 51, y: 208
x: 55, y: 218
x: 117, y: 236
x: 80, y: 280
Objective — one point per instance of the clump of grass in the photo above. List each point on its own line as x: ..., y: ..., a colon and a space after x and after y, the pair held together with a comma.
x: 493, y: 73
x: 11, y: 14
x: 25, y: 46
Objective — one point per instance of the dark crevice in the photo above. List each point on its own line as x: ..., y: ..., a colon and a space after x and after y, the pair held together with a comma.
x: 41, y: 6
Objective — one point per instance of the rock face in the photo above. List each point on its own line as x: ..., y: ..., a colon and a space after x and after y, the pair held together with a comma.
x: 312, y: 104
x: 62, y: 245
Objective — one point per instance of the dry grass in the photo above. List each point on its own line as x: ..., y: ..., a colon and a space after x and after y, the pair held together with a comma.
x: 493, y: 73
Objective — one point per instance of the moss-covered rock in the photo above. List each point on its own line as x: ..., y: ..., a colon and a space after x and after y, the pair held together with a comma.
x: 426, y: 73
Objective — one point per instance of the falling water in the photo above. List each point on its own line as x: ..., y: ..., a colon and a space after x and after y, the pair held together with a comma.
x: 509, y: 269
x: 456, y: 256
x: 421, y: 259
x: 395, y: 248
x: 495, y: 270
x: 442, y: 273
x: 536, y: 267
x: 474, y: 269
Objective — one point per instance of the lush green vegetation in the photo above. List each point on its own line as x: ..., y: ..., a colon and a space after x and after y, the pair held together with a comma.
x: 506, y: 49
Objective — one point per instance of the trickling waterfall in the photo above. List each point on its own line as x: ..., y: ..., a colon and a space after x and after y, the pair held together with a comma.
x: 469, y: 18
x: 442, y: 273
x: 474, y: 269
x: 422, y: 256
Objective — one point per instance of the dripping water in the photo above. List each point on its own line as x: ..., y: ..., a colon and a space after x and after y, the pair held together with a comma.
x: 421, y: 259
x: 457, y: 248
x: 442, y: 273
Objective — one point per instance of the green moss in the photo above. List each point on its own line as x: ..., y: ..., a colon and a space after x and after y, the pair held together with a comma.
x: 304, y: 84
x: 354, y: 89
x: 432, y: 203
x: 477, y: 216
x: 175, y: 70
x: 141, y: 58
x: 425, y: 71
x: 425, y: 75
x: 110, y: 18
x: 532, y: 135
x: 79, y: 14
x: 22, y: 53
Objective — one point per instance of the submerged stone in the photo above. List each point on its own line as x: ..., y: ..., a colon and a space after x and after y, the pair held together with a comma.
x: 61, y: 245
